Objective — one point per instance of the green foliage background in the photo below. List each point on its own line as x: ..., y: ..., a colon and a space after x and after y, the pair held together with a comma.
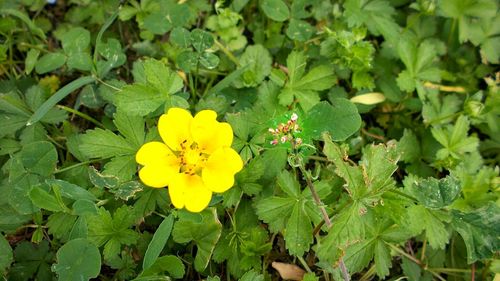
x: 397, y: 176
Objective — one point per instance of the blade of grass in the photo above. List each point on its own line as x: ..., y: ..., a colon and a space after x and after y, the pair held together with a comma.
x: 224, y: 83
x: 57, y: 97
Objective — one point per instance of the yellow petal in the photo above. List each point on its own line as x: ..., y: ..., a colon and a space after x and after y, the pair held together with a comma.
x: 218, y: 173
x: 190, y: 192
x: 174, y: 128
x: 210, y: 134
x: 176, y: 191
x: 157, y: 175
x: 153, y: 153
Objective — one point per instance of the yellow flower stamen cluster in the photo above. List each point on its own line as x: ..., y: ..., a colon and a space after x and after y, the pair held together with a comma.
x: 194, y: 160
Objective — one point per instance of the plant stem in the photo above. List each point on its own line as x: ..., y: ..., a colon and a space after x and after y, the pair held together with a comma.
x: 81, y: 114
x: 75, y: 166
x: 227, y: 52
x: 321, y: 206
x: 304, y: 263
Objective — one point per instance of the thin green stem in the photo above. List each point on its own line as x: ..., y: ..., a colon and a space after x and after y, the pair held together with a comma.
x: 76, y: 166
x: 34, y: 47
x: 107, y: 84
x: 445, y: 270
x: 321, y: 206
x: 227, y: 52
x: 304, y: 264
x: 403, y: 194
x: 81, y: 114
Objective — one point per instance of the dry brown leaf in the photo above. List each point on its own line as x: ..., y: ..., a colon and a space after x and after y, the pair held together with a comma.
x: 289, y: 271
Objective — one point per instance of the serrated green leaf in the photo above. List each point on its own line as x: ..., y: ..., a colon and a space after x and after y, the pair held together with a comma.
x: 252, y: 275
x: 139, y: 99
x: 114, y: 230
x: 421, y: 219
x: 99, y: 143
x: 275, y: 211
x: 298, y: 231
x: 434, y: 193
x: 204, y: 229
x: 347, y: 226
x: 39, y: 157
x: 258, y: 61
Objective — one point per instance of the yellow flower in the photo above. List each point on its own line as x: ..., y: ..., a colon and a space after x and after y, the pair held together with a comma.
x: 194, y: 159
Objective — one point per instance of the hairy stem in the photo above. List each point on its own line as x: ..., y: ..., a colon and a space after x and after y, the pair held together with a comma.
x: 326, y: 218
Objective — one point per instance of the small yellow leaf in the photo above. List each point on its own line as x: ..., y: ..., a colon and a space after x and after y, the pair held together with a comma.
x: 289, y: 271
x: 369, y: 98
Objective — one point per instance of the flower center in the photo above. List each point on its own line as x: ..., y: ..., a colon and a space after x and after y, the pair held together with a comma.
x: 192, y: 160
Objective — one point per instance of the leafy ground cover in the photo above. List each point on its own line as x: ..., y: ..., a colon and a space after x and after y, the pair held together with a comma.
x: 249, y: 140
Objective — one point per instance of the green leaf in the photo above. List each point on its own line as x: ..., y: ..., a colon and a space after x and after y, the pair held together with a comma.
x: 455, y: 139
x: 479, y: 229
x: 49, y: 62
x: 139, y: 99
x: 204, y: 229
x: 32, y: 262
x: 276, y: 10
x: 39, y: 158
x: 347, y: 226
x: 112, y: 231
x: 259, y: 62
x: 166, y: 81
x: 421, y: 218
x: 157, y: 23
x: 75, y: 40
x: 209, y: 60
x: 376, y: 15
x: 44, y: 200
x: 71, y: 191
x: 99, y: 143
x: 201, y: 39
x: 78, y: 260
x: 158, y: 242
x: 298, y: 236
x: 114, y: 55
x: 30, y: 61
x: 252, y: 275
x: 131, y: 127
x: 181, y: 37
x: 300, y: 30
x: 275, y: 211
x: 434, y: 193
x: 81, y: 61
x: 5, y: 254
x: 303, y: 87
x: 171, y: 264
x: 343, y: 116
